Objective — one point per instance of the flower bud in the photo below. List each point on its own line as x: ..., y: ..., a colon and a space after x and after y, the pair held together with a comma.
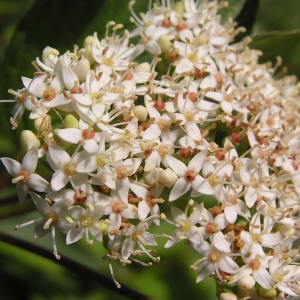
x: 285, y: 230
x: 81, y: 69
x: 246, y: 283
x: 104, y: 228
x: 28, y: 140
x: 164, y: 43
x: 267, y: 294
x: 246, y: 294
x: 167, y: 177
x: 178, y: 7
x: 141, y: 113
x: 87, y: 45
x: 70, y: 122
x: 227, y: 296
x: 151, y: 176
x: 143, y: 67
x: 42, y: 123
x: 50, y: 56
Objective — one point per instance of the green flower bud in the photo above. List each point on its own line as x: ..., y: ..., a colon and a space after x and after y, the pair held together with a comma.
x: 28, y: 140
x: 267, y: 294
x: 143, y: 67
x: 42, y: 123
x: 141, y: 113
x: 178, y: 7
x: 70, y: 122
x: 164, y: 43
x: 227, y: 296
x: 87, y: 45
x: 81, y: 69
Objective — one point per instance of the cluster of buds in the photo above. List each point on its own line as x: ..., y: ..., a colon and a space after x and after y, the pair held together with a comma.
x: 116, y: 137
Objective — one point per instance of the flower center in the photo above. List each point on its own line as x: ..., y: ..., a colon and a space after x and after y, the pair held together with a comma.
x: 122, y: 173
x: 212, y: 228
x: 86, y: 221
x: 51, y: 219
x: 88, y: 134
x: 184, y: 226
x: 149, y: 200
x: 69, y: 169
x: 76, y: 89
x: 254, y: 264
x: 49, y: 93
x: 80, y: 197
x: 23, y: 176
x: 214, y: 180
x: 190, y: 175
x: 136, y: 234
x: 100, y: 162
x: 193, y: 96
x: 214, y: 257
x: 118, y: 207
x: 97, y: 97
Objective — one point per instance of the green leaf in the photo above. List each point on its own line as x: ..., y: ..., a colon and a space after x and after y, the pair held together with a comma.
x: 268, y: 41
x: 283, y: 43
x: 246, y: 18
x: 232, y: 11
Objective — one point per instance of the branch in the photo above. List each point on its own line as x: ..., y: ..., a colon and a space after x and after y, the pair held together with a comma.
x: 75, y: 267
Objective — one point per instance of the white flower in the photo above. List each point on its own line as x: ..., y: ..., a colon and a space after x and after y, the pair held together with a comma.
x: 65, y: 169
x: 86, y: 220
x: 188, y: 176
x: 186, y: 225
x: 213, y: 261
x: 24, y: 176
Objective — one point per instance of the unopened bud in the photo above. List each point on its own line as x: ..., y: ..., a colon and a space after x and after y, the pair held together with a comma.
x: 167, y: 177
x: 50, y: 56
x: 103, y: 228
x: 141, y: 113
x: 285, y: 230
x: 81, y: 69
x: 164, y: 43
x: 28, y: 140
x: 178, y: 7
x: 246, y: 283
x: 227, y: 296
x: 143, y: 67
x: 42, y: 123
x: 267, y: 294
x: 70, y: 122
x: 87, y: 45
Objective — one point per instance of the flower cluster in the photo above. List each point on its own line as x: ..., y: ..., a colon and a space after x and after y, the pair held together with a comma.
x: 116, y: 137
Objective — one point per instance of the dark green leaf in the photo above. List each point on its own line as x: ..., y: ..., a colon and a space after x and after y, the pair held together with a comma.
x: 233, y: 9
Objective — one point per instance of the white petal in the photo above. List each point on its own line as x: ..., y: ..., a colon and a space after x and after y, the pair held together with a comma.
x: 176, y: 165
x: 29, y: 161
x: 58, y: 155
x: 143, y: 210
x: 41, y: 205
x: 12, y: 166
x: 71, y: 135
x: 226, y: 264
x: 262, y: 277
x: 180, y: 187
x: 205, y: 269
x: 59, y: 180
x: 22, y: 190
x: 74, y: 234
x: 38, y: 183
